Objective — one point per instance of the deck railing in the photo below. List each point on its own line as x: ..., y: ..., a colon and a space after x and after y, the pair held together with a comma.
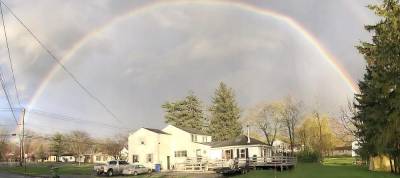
x: 202, y: 164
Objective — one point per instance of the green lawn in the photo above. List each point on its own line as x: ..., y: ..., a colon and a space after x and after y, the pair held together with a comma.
x: 45, y: 169
x: 331, y: 168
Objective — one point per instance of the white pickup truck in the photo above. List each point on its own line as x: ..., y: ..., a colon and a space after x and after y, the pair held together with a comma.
x: 113, y: 167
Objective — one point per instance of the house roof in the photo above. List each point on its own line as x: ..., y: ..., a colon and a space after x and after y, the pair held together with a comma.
x: 157, y: 131
x: 238, y: 141
x: 192, y: 130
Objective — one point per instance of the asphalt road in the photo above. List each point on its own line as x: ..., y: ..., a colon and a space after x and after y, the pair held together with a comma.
x: 6, y: 175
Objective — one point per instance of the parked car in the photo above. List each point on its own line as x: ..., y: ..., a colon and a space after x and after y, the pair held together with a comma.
x: 136, y: 169
x: 113, y: 167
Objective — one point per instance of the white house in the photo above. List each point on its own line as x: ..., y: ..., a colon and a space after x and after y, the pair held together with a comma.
x: 63, y: 158
x: 167, y: 147
x: 173, y: 146
x: 354, y: 147
x: 241, y: 147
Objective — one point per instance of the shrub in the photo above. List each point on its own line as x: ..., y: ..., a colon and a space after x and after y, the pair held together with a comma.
x: 308, y: 156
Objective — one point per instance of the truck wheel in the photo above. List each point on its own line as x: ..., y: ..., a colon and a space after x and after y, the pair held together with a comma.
x: 110, y: 172
x: 135, y: 173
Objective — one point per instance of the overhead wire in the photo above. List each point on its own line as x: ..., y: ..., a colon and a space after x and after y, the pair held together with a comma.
x: 58, y: 61
x: 9, y: 55
x: 3, y: 85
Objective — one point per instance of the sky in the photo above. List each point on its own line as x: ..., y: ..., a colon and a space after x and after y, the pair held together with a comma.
x: 135, y: 55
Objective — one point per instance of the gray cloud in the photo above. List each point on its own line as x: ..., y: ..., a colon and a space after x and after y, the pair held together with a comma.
x: 161, y: 54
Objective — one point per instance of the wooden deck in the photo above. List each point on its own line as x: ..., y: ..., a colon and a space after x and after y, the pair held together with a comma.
x: 276, y: 162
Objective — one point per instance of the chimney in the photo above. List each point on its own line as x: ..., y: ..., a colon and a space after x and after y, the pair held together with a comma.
x: 248, y: 133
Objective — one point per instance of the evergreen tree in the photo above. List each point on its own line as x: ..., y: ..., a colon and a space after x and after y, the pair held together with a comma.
x: 378, y: 104
x: 41, y: 154
x: 186, y: 113
x: 225, y: 114
x: 57, y: 145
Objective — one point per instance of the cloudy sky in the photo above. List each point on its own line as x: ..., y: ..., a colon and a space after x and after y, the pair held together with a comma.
x: 136, y: 55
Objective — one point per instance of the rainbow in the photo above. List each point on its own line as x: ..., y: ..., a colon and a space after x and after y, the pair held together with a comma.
x: 239, y: 4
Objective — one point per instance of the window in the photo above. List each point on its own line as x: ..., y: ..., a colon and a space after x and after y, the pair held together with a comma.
x: 194, y: 138
x: 97, y: 158
x: 104, y: 158
x: 149, y: 158
x: 242, y: 153
x: 123, y: 163
x: 204, y: 138
x: 198, y: 153
x: 181, y: 153
x: 135, y: 158
x: 112, y: 162
x: 228, y: 154
x: 140, y: 166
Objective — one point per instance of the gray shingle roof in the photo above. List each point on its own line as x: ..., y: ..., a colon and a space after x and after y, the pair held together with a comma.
x: 157, y: 131
x: 193, y: 131
x: 239, y: 140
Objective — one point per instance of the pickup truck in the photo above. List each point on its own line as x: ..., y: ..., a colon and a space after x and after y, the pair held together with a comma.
x: 113, y: 167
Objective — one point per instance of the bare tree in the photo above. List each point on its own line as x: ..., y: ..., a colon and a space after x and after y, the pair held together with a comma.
x: 79, y: 142
x: 3, y: 144
x: 347, y: 114
x: 267, y: 117
x: 113, y: 146
x: 319, y: 124
x: 290, y: 119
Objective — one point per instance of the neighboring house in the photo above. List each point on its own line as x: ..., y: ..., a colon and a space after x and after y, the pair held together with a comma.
x: 167, y: 147
x: 101, y: 158
x: 241, y: 147
x: 280, y: 146
x: 354, y: 146
x: 124, y: 154
x: 342, y: 151
x: 173, y: 147
x: 63, y: 158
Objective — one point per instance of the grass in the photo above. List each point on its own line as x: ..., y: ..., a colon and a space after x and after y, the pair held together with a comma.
x: 64, y: 169
x: 45, y: 169
x: 331, y: 168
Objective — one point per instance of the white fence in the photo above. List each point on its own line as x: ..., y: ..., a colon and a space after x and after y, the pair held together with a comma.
x: 199, y: 164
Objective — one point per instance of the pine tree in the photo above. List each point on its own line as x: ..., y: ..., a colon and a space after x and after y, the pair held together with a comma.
x: 225, y: 114
x: 378, y: 104
x: 57, y: 145
x: 41, y: 154
x: 187, y: 113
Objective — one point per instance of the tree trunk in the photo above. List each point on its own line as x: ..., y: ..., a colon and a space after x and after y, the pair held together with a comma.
x: 391, y: 164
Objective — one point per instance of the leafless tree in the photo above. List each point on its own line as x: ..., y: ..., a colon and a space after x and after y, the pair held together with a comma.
x: 79, y: 142
x: 347, y: 114
x: 113, y: 146
x: 3, y: 144
x: 267, y: 117
x: 290, y: 119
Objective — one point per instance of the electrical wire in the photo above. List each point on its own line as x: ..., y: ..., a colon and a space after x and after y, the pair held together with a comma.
x: 8, y: 98
x: 9, y: 55
x: 58, y: 61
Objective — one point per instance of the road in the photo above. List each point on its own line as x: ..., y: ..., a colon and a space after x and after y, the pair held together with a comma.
x: 7, y: 175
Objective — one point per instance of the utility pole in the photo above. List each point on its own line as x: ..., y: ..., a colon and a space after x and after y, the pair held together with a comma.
x: 21, y: 142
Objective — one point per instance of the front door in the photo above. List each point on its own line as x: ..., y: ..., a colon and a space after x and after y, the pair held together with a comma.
x: 168, y: 164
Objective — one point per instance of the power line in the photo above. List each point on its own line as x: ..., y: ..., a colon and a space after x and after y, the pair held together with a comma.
x: 64, y: 117
x: 58, y: 61
x: 9, y: 54
x: 8, y: 98
x: 70, y: 118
